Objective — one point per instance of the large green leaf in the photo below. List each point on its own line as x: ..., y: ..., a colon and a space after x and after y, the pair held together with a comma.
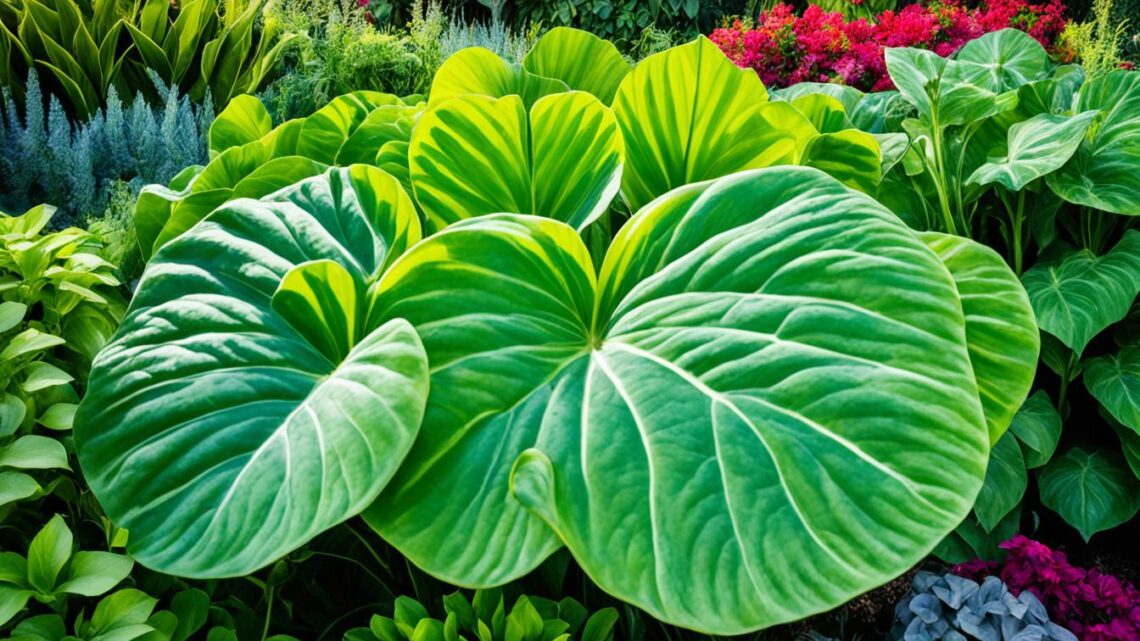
x: 580, y: 59
x: 851, y: 155
x: 1079, y: 294
x: 689, y: 114
x: 1000, y: 329
x: 699, y: 427
x: 1114, y: 381
x: 1010, y: 58
x: 243, y: 121
x: 1092, y: 491
x: 1035, y: 148
x: 324, y: 132
x: 1102, y: 174
x: 478, y: 71
x: 243, y: 406
x: 477, y: 155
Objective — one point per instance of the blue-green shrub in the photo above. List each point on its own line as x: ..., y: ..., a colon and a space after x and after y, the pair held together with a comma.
x: 44, y: 157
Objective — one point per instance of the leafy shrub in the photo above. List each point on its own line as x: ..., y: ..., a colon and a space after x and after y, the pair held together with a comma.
x: 819, y: 46
x: 623, y: 21
x: 485, y: 618
x: 951, y: 607
x: 1093, y: 604
x: 291, y: 318
x: 204, y: 48
x: 43, y: 156
x: 344, y: 53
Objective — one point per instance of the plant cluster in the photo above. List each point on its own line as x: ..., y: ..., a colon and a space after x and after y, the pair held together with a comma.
x: 46, y: 157
x: 822, y: 46
x: 1095, y: 605
x: 462, y: 315
x: 202, y: 47
x: 955, y: 608
x: 484, y: 618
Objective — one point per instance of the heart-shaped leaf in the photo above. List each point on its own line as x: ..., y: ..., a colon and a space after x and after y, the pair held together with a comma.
x: 704, y: 393
x: 1037, y: 426
x: 1035, y: 148
x: 1102, y: 173
x: 689, y: 114
x: 217, y: 428
x: 1079, y: 294
x: 1092, y: 491
x: 582, y: 60
x: 477, y: 155
x: 1114, y: 381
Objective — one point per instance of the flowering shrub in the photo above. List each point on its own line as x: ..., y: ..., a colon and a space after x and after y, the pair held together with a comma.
x: 822, y: 46
x: 1094, y: 605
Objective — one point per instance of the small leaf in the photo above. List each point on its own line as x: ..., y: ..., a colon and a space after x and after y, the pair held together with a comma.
x: 600, y: 626
x: 1037, y: 426
x: 1004, y: 485
x: 59, y: 416
x: 408, y: 614
x: 40, y: 375
x: 1114, y: 381
x: 94, y: 573
x: 48, y: 553
x: 11, y: 314
x: 192, y: 607
x: 12, y: 601
x: 1092, y: 491
x: 34, y: 452
x: 244, y: 120
x: 16, y: 486
x: 29, y: 341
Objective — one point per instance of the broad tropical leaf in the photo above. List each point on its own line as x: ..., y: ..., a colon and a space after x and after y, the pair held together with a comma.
x: 689, y: 114
x: 1000, y: 329
x: 1010, y: 58
x: 477, y: 155
x: 1035, y: 148
x: 1102, y: 173
x: 1092, y: 491
x: 852, y: 156
x: 244, y: 406
x: 643, y: 447
x: 582, y: 60
x: 1078, y: 295
x: 1114, y: 381
x: 478, y: 71
x: 243, y: 121
x: 323, y: 133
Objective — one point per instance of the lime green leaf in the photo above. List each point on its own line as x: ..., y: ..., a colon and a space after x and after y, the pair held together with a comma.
x: 825, y: 113
x: 58, y: 416
x: 689, y: 114
x: 1035, y: 148
x: 1005, y: 483
x: 1037, y: 426
x: 94, y: 573
x: 309, y: 440
x: 28, y: 342
x: 1079, y: 294
x: 325, y: 304
x: 48, y: 552
x: 582, y: 60
x: 1000, y: 329
x: 1114, y: 381
x: 34, y: 452
x: 12, y: 602
x: 332, y: 125
x: 123, y: 613
x: 40, y: 375
x: 11, y: 314
x: 243, y: 121
x: 12, y: 413
x: 1092, y: 491
x: 852, y: 156
x: 1102, y: 173
x: 481, y: 72
x: 605, y: 410
x: 477, y: 155
x: 16, y: 486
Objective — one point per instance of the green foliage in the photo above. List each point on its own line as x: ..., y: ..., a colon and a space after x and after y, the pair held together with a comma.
x: 204, y: 48
x: 623, y: 21
x: 1040, y: 161
x: 485, y: 618
x: 44, y: 157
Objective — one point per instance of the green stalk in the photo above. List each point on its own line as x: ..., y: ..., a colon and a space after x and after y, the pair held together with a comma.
x: 1017, y: 222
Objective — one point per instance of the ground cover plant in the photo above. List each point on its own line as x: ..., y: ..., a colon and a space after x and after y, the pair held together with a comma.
x: 621, y: 349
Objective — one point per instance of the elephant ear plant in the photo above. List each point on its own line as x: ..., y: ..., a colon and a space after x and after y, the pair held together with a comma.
x: 761, y: 397
x: 245, y: 405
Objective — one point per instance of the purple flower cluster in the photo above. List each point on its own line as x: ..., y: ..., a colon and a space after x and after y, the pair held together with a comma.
x: 1094, y: 605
